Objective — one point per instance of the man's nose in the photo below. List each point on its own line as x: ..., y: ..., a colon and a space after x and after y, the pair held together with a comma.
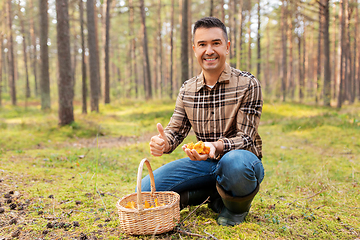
x: 209, y: 50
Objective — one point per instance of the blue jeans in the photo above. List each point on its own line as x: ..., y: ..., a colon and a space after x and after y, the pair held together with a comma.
x: 238, y: 172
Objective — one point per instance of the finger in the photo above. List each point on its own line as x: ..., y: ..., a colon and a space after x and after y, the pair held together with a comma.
x: 161, y: 130
x: 212, y: 153
x: 190, y: 155
x: 158, y: 140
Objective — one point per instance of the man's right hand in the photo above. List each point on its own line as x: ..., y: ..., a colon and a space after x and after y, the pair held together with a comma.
x: 158, y: 143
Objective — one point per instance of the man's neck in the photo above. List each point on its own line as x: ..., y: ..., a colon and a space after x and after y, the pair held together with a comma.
x: 211, y: 77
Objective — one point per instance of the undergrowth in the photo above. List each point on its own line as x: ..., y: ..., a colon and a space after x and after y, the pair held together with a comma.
x: 65, y: 181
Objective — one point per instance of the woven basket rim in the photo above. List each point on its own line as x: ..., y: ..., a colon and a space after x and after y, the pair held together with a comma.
x: 124, y: 209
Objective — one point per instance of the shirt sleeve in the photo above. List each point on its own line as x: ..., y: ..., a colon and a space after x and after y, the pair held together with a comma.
x: 179, y: 125
x: 247, y: 121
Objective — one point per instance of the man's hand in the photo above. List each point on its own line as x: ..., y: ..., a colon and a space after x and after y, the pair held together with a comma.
x: 195, y: 156
x: 158, y: 143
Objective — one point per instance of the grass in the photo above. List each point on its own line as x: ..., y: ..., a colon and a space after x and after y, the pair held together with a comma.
x: 74, y: 174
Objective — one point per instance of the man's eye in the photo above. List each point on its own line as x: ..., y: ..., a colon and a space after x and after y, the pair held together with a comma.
x: 216, y: 43
x: 201, y: 44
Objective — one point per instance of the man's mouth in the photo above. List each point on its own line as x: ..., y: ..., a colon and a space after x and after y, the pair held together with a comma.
x: 210, y: 59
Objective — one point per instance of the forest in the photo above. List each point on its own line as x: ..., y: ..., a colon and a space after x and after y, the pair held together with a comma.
x: 95, y: 51
x: 83, y: 84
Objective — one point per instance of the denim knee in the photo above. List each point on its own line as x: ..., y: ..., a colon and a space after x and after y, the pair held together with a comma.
x: 239, y: 172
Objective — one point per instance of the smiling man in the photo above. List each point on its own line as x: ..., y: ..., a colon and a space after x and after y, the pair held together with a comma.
x: 223, y: 106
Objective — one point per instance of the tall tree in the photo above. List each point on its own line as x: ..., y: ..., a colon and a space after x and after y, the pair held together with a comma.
x: 239, y: 46
x: 184, y: 42
x: 327, y: 70
x: 160, y: 81
x: 284, y: 48
x: 65, y: 82
x: 342, y: 63
x: 106, y: 51
x: 83, y: 64
x: 319, y: 52
x: 27, y: 84
x: 148, y: 88
x: 44, y: 56
x: 93, y: 62
x: 11, y: 55
x: 171, y: 49
x: 258, y: 42
x: 132, y: 61
x: 1, y: 60
x: 33, y: 47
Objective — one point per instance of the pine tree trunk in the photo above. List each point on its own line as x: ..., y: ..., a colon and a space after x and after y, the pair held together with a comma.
x: 160, y: 52
x: 327, y: 70
x: 34, y: 51
x: 27, y: 85
x: 171, y: 50
x: 148, y: 90
x: 290, y: 31
x: 319, y: 53
x: 106, y: 52
x: 1, y: 64
x: 83, y: 64
x: 258, y: 43
x: 66, y: 90
x: 211, y: 13
x: 94, y: 77
x: 249, y: 43
x: 335, y: 58
x: 239, y: 46
x: 341, y: 55
x: 44, y: 56
x: 11, y: 56
x: 184, y: 42
x: 357, y: 42
x: 284, y: 50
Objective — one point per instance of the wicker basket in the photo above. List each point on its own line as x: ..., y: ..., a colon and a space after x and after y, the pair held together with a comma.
x: 149, y: 221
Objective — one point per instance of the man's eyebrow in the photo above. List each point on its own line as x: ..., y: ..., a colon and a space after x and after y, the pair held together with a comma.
x: 214, y: 40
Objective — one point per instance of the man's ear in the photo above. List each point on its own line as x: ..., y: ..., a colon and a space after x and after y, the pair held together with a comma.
x: 228, y: 47
x: 194, y: 50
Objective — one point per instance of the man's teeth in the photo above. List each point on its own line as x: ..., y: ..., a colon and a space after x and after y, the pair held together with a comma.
x: 210, y: 59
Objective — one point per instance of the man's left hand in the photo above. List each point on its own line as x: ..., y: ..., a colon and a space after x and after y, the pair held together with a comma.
x: 195, y: 156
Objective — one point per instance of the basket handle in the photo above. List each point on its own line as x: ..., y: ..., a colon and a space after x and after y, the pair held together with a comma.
x: 139, y: 177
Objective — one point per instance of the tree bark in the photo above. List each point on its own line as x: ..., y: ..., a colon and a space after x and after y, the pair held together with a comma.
x: 327, y: 70
x: 239, y: 46
x: 319, y: 53
x: 93, y: 62
x: 211, y: 13
x: 34, y: 51
x: 184, y: 42
x: 27, y: 84
x: 44, y: 56
x: 284, y: 49
x: 341, y: 55
x: 249, y: 42
x: 171, y: 50
x: 84, y: 89
x: 258, y: 43
x: 357, y: 42
x: 106, y: 52
x: 160, y: 52
x: 11, y: 56
x: 1, y: 64
x: 65, y: 86
x: 133, y: 62
x: 148, y: 90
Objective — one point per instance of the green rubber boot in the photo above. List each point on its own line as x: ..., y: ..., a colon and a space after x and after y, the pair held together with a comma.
x: 235, y: 208
x: 198, y: 196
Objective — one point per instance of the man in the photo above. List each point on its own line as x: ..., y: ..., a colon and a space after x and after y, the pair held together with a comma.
x: 223, y: 105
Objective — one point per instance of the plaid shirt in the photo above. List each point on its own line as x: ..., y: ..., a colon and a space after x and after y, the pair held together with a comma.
x: 229, y: 112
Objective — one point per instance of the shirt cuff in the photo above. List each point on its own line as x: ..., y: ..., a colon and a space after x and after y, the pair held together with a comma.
x: 227, y: 145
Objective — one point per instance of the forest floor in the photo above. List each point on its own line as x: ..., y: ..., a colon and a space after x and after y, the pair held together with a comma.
x: 64, y: 182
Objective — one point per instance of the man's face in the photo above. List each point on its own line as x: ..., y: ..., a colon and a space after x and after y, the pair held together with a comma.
x: 211, y: 48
